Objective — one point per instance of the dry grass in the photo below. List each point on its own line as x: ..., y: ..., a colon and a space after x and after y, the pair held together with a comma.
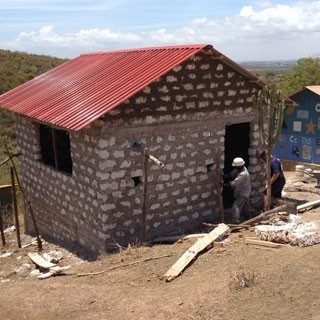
x: 244, y: 279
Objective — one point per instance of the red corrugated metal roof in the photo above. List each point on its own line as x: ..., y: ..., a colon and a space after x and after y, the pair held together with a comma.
x: 81, y: 90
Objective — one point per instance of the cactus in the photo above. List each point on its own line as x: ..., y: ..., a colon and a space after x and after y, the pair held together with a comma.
x: 270, y: 106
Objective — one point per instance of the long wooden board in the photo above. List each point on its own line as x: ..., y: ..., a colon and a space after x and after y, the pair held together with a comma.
x: 308, y: 205
x: 38, y: 260
x: 193, y: 251
x: 178, y: 237
x: 262, y: 243
x: 53, y: 271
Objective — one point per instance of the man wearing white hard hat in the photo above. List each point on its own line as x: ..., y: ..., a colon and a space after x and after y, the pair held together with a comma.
x: 241, y: 190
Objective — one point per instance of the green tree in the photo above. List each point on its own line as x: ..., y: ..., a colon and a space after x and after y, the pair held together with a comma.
x: 305, y: 73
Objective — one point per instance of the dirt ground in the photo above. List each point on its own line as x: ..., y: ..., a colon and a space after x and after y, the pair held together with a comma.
x: 280, y: 283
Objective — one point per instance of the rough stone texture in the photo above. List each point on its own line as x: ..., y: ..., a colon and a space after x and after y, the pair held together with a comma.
x: 181, y: 119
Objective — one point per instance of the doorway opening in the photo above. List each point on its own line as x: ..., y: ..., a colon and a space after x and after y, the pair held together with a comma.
x: 237, y: 143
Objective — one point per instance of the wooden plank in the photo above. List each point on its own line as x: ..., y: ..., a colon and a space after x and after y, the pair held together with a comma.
x: 231, y: 225
x: 178, y: 237
x: 58, y: 269
x: 53, y: 271
x: 265, y: 214
x: 308, y: 205
x: 45, y: 275
x: 30, y: 243
x: 193, y: 251
x: 39, y: 261
x: 262, y: 243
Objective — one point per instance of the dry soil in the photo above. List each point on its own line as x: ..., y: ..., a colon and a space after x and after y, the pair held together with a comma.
x: 237, y: 281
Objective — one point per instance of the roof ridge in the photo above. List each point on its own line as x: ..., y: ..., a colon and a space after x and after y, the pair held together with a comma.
x: 173, y: 47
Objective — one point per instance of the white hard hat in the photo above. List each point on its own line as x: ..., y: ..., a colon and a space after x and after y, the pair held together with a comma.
x: 238, y: 162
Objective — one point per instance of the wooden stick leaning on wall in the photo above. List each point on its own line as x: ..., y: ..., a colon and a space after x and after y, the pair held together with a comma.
x: 15, y: 207
x: 265, y: 214
x: 24, y: 197
x: 1, y: 230
x: 1, y: 222
x: 144, y: 197
x: 146, y: 157
x: 218, y: 178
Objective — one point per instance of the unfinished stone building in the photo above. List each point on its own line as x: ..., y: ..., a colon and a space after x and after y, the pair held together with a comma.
x: 82, y: 129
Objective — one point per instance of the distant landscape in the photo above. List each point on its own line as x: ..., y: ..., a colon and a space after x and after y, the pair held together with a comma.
x: 15, y: 69
x: 283, y: 65
x: 271, y: 71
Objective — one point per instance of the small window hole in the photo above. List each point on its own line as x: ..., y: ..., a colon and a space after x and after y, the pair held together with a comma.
x: 209, y: 167
x: 137, y: 181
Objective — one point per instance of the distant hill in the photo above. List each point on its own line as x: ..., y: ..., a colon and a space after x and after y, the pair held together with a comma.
x: 269, y: 65
x: 271, y: 71
x: 15, y: 69
x: 18, y: 67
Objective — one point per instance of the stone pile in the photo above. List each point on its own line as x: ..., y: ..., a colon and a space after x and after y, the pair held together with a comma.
x: 295, y: 232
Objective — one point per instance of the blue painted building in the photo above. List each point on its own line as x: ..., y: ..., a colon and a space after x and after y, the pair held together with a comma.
x: 299, y: 139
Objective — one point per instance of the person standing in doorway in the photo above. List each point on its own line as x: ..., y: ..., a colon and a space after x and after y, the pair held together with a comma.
x: 278, y: 180
x: 241, y: 190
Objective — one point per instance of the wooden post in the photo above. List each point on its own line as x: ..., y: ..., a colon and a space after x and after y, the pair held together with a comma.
x: 1, y: 230
x: 145, y: 192
x: 25, y: 198
x: 55, y: 148
x: 15, y: 207
x: 146, y: 157
x: 218, y: 178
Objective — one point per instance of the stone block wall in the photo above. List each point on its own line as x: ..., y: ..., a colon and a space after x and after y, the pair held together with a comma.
x: 181, y: 119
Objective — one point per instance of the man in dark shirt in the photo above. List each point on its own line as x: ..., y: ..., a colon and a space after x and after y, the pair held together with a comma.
x: 277, y: 179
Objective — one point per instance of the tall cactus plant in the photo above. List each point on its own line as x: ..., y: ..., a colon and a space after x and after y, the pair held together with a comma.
x: 270, y: 106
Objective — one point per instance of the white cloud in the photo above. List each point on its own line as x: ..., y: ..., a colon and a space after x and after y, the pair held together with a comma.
x: 265, y: 32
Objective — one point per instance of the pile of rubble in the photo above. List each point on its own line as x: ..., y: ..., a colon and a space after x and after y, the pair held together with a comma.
x: 289, y: 229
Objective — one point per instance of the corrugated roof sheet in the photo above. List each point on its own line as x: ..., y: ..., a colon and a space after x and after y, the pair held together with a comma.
x: 315, y: 89
x: 83, y: 89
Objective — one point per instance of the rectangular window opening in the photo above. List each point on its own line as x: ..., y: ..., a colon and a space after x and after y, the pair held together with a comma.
x: 209, y: 167
x: 55, y: 148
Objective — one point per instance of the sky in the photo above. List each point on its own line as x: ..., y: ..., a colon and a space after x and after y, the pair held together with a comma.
x: 241, y: 30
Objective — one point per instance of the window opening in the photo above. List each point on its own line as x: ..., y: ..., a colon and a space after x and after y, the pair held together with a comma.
x: 55, y: 148
x: 209, y: 167
x: 137, y: 181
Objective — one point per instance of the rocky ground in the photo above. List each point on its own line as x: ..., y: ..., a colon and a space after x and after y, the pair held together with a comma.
x: 236, y: 281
